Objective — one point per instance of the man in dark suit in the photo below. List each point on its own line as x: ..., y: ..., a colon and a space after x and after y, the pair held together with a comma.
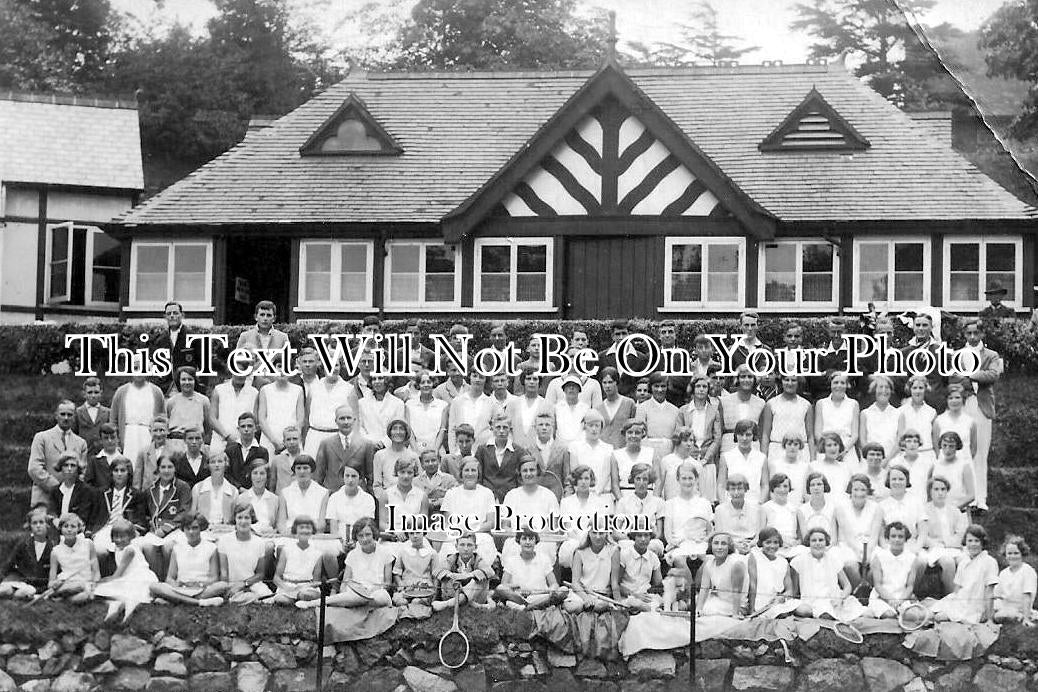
x: 73, y: 495
x: 345, y: 448
x: 242, y: 452
x: 91, y: 415
x: 174, y: 338
x: 923, y: 326
x: 499, y: 459
x: 193, y: 464
x: 608, y: 358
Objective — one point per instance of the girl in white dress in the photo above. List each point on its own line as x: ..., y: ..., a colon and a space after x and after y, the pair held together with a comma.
x: 74, y: 572
x: 832, y: 463
x: 528, y: 581
x: 581, y: 504
x: 917, y: 415
x: 872, y: 467
x: 787, y: 413
x: 770, y: 583
x: 426, y: 415
x: 893, y: 573
x: 326, y: 395
x: 957, y: 420
x: 817, y: 512
x: 824, y: 590
x: 856, y: 526
x: 743, y: 460
x: 280, y: 405
x: 642, y: 502
x: 956, y: 468
x: 879, y: 421
x: 263, y: 501
x: 384, y: 463
x: 1017, y: 584
x: 687, y: 519
x: 975, y: 578
x: 596, y: 572
x: 946, y: 525
x: 919, y: 465
x: 667, y: 485
x: 530, y: 499
x: 900, y: 506
x: 299, y: 565
x: 793, y: 464
x: 130, y: 584
x: 368, y: 567
x: 781, y: 515
x: 839, y: 413
x: 475, y: 501
x: 632, y: 453
x: 597, y: 455
x: 723, y: 580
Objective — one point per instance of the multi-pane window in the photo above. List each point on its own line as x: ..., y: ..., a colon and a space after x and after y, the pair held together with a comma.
x: 798, y: 272
x: 514, y: 272
x: 83, y: 265
x: 973, y: 264
x: 704, y: 272
x: 163, y: 271
x: 420, y: 273
x: 335, y: 273
x: 892, y: 271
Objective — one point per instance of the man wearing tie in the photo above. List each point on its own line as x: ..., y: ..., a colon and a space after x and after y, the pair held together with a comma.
x: 174, y: 338
x: 347, y: 448
x: 981, y: 405
x: 47, y: 448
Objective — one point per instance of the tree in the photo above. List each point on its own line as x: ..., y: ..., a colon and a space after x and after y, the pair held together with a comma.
x: 702, y: 41
x: 499, y: 34
x: 1010, y: 37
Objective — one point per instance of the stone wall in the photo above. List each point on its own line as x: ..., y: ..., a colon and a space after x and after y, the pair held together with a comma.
x: 163, y: 653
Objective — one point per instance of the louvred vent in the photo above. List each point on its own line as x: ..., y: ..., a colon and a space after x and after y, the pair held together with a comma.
x: 814, y: 125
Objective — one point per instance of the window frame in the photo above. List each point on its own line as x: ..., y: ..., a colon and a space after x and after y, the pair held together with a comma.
x: 798, y: 302
x: 205, y: 304
x: 423, y: 244
x: 706, y: 241
x: 335, y: 289
x: 982, y: 241
x: 88, y: 288
x: 513, y: 243
x: 65, y: 297
x: 926, y: 299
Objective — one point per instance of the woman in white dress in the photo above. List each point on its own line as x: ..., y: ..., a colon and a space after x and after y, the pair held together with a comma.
x: 781, y: 515
x: 786, y: 414
x: 839, y: 413
x: 475, y: 502
x: 129, y: 585
x: 582, y: 503
x: 633, y: 452
x: 280, y: 405
x: 955, y: 419
x: 880, y: 420
x: 918, y: 416
x: 426, y: 415
x: 770, y: 583
x: 956, y: 468
x: 856, y: 526
x: 723, y: 579
x: 742, y: 404
x: 818, y: 511
x: 263, y: 501
x: 597, y: 455
x: 326, y: 395
x: 900, y: 506
x: 384, y: 463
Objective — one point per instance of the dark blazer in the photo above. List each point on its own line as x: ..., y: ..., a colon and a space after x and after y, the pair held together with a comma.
x: 238, y: 464
x: 162, y: 508
x: 500, y: 477
x: 98, y: 473
x: 135, y: 510
x: 21, y: 563
x: 187, y: 474
x: 627, y: 383
x: 86, y: 502
x: 90, y: 430
x: 332, y: 459
x: 180, y: 354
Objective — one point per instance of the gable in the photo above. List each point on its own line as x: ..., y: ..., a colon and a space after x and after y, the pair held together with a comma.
x: 351, y: 129
x: 611, y: 150
x: 814, y: 125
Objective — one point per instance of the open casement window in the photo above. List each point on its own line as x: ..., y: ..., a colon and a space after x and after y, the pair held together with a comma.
x: 163, y: 271
x: 892, y: 272
x: 513, y: 272
x: 335, y: 274
x: 973, y: 263
x: 814, y: 125
x: 83, y: 266
x: 799, y: 273
x: 704, y: 272
x: 422, y: 274
x: 350, y: 130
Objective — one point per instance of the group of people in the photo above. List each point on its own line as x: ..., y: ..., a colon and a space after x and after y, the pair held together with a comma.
x: 754, y: 495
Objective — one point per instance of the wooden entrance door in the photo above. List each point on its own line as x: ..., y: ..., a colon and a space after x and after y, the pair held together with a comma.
x: 613, y: 277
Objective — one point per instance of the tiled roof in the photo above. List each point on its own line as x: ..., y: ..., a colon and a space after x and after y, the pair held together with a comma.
x: 70, y: 141
x: 458, y: 130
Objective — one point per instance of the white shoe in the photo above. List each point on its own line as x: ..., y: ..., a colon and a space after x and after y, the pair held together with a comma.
x: 209, y: 602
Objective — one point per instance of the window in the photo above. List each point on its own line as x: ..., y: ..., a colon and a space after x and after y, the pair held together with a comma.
x: 973, y: 263
x: 83, y: 265
x: 351, y: 129
x: 892, y: 272
x: 422, y: 274
x: 704, y: 272
x: 798, y: 272
x: 335, y: 273
x: 163, y: 271
x: 514, y: 271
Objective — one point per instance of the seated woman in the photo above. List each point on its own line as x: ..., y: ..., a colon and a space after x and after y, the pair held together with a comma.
x: 596, y: 572
x: 1017, y: 584
x: 597, y: 455
x: 740, y: 519
x: 640, y: 572
x: 818, y: 512
x: 348, y: 505
x: 903, y: 507
x: 193, y: 577
x: 416, y: 566
x: 583, y: 505
x: 366, y: 574
x: 530, y: 499
x: 893, y: 573
x: 74, y: 572
x: 668, y: 485
x: 722, y: 589
x: 244, y: 557
x: 464, y: 575
x: 27, y: 570
x: 946, y: 526
x: 401, y: 506
x: 831, y: 462
x: 529, y: 582
x: 165, y: 501
x: 957, y: 467
x: 792, y: 462
x: 303, y: 497
x: 781, y: 515
x: 770, y: 583
x: 130, y: 584
x: 298, y: 572
x: 687, y: 519
x: 120, y: 501
x: 384, y: 464
x: 214, y: 496
x: 823, y: 589
x: 264, y: 502
x: 476, y: 501
x: 857, y: 527
x: 641, y: 502
x: 972, y: 601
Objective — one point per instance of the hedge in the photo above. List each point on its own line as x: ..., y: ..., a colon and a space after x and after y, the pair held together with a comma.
x: 35, y: 349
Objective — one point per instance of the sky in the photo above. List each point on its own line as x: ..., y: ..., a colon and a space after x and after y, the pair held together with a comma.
x: 761, y: 23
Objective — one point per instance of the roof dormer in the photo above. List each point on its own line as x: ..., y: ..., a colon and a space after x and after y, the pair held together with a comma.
x: 350, y: 131
x: 814, y: 125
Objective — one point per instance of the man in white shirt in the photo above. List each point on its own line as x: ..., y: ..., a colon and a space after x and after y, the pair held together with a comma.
x: 980, y: 402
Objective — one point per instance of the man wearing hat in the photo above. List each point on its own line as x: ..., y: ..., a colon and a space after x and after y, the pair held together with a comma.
x: 995, y: 292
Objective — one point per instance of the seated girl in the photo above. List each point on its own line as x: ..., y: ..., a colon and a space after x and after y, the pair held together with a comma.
x: 193, y: 577
x: 473, y: 500
x: 596, y: 572
x: 857, y: 527
x: 668, y: 485
x: 792, y: 462
x: 214, y: 496
x: 831, y: 462
x: 823, y: 588
x: 893, y: 573
x: 583, y: 505
x: 818, y: 512
x: 903, y: 507
x: 972, y: 601
x: 640, y: 572
x: 946, y: 526
x: 770, y: 587
x: 781, y: 515
x: 416, y: 566
x: 722, y: 588
x: 464, y: 576
x: 872, y: 468
x: 346, y: 506
x: 919, y: 465
x: 298, y: 572
x: 130, y: 584
x: 528, y: 582
x: 738, y: 517
x: 530, y: 499
x: 400, y: 504
x: 74, y: 572
x: 641, y: 502
x: 687, y: 518
x: 366, y: 574
x: 27, y: 570
x: 1017, y: 584
x: 165, y: 501
x: 264, y: 502
x: 121, y: 501
x: 244, y: 557
x: 957, y: 468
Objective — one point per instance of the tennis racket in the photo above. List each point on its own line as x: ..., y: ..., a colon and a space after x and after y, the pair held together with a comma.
x: 864, y: 588
x: 42, y: 596
x: 360, y: 589
x: 911, y: 623
x: 847, y: 631
x: 454, y: 645
x: 419, y: 591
